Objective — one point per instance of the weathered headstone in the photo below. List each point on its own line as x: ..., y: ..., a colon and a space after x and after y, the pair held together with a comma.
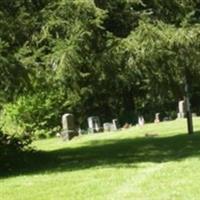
x: 80, y: 131
x: 115, y: 124
x: 94, y: 124
x: 181, y: 109
x: 68, y: 125
x: 157, y: 118
x: 107, y: 127
x: 141, y: 121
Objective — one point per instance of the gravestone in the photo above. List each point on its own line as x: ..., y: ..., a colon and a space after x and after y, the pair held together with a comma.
x: 115, y: 124
x: 141, y: 121
x: 181, y: 109
x: 107, y: 127
x: 94, y: 124
x: 157, y: 118
x: 68, y: 126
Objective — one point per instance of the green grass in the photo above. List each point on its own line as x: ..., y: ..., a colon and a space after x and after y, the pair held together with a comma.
x: 122, y: 165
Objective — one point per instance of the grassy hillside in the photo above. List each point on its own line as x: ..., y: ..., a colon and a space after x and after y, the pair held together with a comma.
x: 120, y: 165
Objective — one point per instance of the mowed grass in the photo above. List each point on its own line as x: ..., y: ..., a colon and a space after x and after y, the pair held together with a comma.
x: 120, y: 165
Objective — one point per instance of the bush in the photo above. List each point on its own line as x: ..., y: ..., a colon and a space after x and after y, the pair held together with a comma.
x: 13, y: 143
x: 10, y: 148
x: 36, y: 114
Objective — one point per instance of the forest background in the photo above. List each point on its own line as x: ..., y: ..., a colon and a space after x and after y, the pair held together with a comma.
x: 113, y: 59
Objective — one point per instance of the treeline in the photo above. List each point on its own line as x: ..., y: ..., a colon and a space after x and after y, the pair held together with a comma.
x: 114, y: 59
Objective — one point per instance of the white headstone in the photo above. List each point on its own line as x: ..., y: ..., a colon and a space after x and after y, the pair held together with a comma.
x: 115, y: 124
x: 107, y: 127
x: 157, y: 118
x: 181, y: 109
x: 94, y: 124
x: 141, y: 121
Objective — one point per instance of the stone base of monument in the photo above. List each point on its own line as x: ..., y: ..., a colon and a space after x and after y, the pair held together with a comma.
x: 68, y: 135
x: 109, y: 127
x: 180, y: 115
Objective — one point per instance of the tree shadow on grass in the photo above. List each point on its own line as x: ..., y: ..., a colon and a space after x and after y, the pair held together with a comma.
x: 112, y: 153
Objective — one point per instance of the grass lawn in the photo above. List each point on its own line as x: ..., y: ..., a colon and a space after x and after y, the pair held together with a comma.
x: 112, y: 166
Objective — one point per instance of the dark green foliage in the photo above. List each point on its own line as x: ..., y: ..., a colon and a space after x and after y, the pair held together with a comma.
x: 11, y: 147
x: 108, y: 58
x: 122, y: 17
x: 36, y: 114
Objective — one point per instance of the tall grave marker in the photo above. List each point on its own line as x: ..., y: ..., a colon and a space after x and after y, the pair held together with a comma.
x: 94, y: 124
x: 68, y: 125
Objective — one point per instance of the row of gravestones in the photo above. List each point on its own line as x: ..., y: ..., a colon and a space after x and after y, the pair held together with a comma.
x: 69, y: 129
x: 182, y: 109
x: 180, y: 114
x: 94, y: 126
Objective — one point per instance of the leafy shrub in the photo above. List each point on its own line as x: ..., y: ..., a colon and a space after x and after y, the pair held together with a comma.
x: 10, y: 147
x: 13, y: 143
x: 36, y: 113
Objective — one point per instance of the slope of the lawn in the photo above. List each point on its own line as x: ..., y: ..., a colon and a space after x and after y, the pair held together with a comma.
x: 121, y: 165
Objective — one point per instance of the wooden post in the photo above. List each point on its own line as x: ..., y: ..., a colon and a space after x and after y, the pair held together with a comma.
x: 188, y: 108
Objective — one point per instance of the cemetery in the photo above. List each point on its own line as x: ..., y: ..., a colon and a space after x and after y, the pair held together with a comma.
x: 70, y: 130
x: 99, y: 99
x: 140, y: 162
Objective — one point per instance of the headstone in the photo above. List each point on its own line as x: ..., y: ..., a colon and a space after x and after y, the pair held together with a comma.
x: 141, y: 121
x: 69, y: 130
x: 94, y: 124
x: 115, y: 124
x: 157, y: 118
x: 80, y: 131
x: 181, y: 109
x: 107, y: 127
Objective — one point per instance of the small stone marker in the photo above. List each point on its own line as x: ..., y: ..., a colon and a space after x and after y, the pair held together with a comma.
x: 94, y: 124
x: 69, y: 130
x: 141, y: 121
x: 157, y: 118
x: 181, y: 109
x: 107, y: 127
x: 115, y: 124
